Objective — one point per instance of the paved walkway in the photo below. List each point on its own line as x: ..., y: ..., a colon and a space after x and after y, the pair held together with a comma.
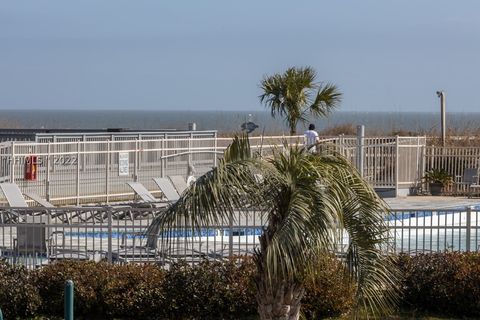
x: 431, y: 202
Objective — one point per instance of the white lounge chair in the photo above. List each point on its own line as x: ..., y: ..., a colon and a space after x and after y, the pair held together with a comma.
x: 142, y: 192
x: 179, y: 183
x: 35, y: 197
x: 15, y: 198
x: 469, y: 181
x: 143, y: 247
x: 13, y: 195
x: 167, y: 189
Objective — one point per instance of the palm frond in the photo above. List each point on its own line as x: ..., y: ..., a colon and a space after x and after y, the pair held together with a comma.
x: 295, y: 96
x: 327, y: 98
x: 307, y: 198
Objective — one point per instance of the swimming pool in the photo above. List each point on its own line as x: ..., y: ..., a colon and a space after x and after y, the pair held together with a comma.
x: 176, y: 233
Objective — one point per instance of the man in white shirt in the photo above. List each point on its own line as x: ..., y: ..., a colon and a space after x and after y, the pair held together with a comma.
x: 311, y: 138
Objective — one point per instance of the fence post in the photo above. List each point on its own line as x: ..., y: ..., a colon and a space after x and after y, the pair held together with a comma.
x: 12, y: 164
x: 78, y: 173
x: 230, y: 235
x: 109, y: 244
x: 47, y: 178
x: 135, y: 168
x: 397, y: 163
x: 469, y: 226
x: 162, y: 157
x: 340, y: 145
x: 215, y: 139
x: 69, y: 300
x: 360, y: 150
x: 189, y: 160
x: 107, y: 172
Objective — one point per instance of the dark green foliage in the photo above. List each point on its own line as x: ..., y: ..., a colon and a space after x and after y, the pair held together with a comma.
x: 438, y: 176
x: 443, y: 283
x: 329, y: 290
x: 133, y: 291
x: 107, y: 291
x: 210, y: 290
x: 88, y: 278
x: 18, y: 297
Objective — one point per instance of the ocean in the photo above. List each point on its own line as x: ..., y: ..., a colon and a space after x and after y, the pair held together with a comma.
x: 230, y: 121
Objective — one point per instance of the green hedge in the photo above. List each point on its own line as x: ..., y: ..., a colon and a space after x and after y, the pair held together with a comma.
x: 210, y: 290
x: 442, y: 283
x: 18, y: 295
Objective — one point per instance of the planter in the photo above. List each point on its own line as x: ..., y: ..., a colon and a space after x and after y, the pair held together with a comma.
x: 436, y: 188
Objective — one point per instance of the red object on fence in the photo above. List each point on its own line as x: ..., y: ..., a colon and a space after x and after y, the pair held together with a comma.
x: 31, y: 168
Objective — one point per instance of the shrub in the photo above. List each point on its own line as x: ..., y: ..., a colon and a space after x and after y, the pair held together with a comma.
x: 133, y: 291
x: 18, y: 297
x: 88, y: 277
x: 329, y: 291
x: 210, y: 290
x: 446, y: 283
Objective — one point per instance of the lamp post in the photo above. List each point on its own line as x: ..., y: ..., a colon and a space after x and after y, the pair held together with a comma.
x: 441, y: 95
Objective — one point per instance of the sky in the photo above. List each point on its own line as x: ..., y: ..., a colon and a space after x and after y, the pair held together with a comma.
x: 212, y: 55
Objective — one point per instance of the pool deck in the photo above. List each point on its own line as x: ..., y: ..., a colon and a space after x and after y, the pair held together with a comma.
x: 430, y: 202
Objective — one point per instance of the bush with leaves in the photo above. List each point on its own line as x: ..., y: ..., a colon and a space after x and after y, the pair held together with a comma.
x: 133, y: 291
x: 89, y: 278
x: 445, y: 283
x: 210, y: 290
x: 18, y: 296
x: 329, y: 290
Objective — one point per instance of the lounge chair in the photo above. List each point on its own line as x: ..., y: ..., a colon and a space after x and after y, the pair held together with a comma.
x: 167, y: 189
x: 147, y: 197
x: 13, y: 195
x: 469, y: 181
x: 179, y: 183
x: 132, y: 251
x: 142, y: 192
x: 15, y: 198
x: 35, y: 197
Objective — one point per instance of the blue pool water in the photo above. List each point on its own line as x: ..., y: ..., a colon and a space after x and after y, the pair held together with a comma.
x: 254, y: 231
x: 426, y: 213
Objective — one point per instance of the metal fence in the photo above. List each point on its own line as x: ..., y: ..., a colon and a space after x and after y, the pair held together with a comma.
x: 80, y: 172
x: 454, y: 160
x: 34, y: 237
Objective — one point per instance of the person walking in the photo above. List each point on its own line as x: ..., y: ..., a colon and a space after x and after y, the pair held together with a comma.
x: 311, y: 138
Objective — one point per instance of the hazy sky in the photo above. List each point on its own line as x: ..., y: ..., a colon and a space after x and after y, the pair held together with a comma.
x: 384, y: 55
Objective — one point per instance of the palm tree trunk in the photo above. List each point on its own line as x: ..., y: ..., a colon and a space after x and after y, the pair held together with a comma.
x: 293, y: 129
x: 280, y: 300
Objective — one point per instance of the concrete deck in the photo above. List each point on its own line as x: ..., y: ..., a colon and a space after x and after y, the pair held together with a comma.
x: 431, y: 202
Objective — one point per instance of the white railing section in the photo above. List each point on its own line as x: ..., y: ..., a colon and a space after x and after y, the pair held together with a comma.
x: 454, y: 160
x: 35, y: 236
x: 77, y: 172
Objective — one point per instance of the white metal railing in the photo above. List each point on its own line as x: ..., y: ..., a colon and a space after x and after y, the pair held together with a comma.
x: 75, y: 172
x: 454, y: 160
x: 36, y: 236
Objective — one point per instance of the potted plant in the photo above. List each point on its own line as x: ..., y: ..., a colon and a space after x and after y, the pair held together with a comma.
x: 437, y: 179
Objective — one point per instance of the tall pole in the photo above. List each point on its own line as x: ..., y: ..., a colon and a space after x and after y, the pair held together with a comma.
x: 441, y: 95
x: 360, y: 148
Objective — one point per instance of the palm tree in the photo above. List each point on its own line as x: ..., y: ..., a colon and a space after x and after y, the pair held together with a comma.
x: 306, y: 198
x: 295, y: 95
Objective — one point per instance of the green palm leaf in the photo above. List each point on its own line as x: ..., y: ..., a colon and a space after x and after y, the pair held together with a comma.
x: 306, y: 199
x: 295, y: 96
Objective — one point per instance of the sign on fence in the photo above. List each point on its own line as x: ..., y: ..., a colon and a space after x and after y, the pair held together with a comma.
x: 123, y: 164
